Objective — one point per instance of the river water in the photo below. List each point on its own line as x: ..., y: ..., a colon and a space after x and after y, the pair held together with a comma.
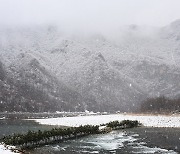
x: 138, y: 140
x: 127, y: 141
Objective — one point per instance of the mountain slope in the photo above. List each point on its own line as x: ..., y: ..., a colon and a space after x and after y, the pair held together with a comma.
x: 31, y: 88
x: 96, y: 79
x: 93, y: 72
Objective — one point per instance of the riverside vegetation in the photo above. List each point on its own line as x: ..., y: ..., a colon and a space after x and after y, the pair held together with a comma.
x: 34, y: 139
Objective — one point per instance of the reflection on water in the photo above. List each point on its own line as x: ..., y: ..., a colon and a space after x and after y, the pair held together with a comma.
x: 10, y: 126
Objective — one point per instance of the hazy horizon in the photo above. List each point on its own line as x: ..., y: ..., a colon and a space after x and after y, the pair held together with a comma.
x: 89, y: 14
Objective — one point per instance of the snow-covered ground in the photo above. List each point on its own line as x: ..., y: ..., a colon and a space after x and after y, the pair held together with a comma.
x: 5, y: 150
x: 146, y: 120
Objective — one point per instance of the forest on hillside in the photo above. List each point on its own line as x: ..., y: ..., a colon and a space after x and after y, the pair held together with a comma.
x: 161, y: 105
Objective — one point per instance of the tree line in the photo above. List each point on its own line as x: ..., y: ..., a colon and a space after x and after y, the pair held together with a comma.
x: 161, y: 104
x: 123, y: 124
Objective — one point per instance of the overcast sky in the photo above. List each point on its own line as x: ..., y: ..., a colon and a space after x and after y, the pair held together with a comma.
x: 89, y: 13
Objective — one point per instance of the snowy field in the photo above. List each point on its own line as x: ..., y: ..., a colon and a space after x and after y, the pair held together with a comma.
x: 146, y: 120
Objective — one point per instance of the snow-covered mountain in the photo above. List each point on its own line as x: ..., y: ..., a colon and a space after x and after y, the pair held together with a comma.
x: 94, y: 72
x: 32, y: 88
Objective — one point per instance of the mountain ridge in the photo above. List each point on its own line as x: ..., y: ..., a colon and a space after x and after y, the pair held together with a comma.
x: 94, y: 72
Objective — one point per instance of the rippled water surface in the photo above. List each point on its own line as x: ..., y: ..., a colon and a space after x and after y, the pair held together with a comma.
x: 120, y: 142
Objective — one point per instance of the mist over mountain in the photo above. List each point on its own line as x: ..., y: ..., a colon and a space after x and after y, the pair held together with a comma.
x: 44, y: 68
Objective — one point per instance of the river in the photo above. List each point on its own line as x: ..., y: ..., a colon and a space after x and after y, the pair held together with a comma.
x: 136, y: 140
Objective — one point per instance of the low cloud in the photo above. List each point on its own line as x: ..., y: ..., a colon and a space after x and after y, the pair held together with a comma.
x: 89, y: 15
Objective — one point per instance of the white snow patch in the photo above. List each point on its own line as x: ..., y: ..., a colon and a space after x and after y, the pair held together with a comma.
x: 146, y: 120
x: 148, y: 150
x: 102, y: 127
x: 6, y: 150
